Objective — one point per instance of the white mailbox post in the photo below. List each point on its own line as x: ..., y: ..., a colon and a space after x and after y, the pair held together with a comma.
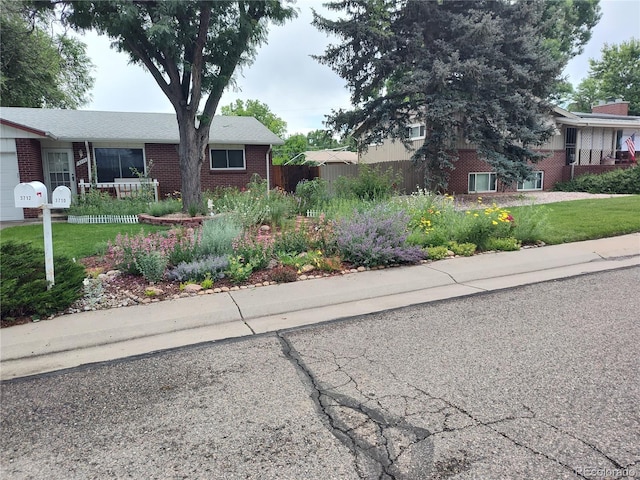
x: 34, y: 195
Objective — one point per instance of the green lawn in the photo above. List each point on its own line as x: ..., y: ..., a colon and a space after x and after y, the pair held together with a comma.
x: 73, y: 240
x: 588, y: 219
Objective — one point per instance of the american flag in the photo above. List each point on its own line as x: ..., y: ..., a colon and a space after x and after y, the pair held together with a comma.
x: 632, y: 147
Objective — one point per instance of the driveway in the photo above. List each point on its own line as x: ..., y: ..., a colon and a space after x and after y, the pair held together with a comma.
x: 536, y: 382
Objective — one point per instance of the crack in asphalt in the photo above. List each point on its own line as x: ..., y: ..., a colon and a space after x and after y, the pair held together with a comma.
x: 354, y: 422
x: 350, y: 420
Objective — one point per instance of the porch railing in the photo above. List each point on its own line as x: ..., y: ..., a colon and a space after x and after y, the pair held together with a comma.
x: 122, y: 187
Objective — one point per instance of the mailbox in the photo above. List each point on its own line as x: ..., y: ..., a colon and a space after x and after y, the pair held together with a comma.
x: 61, y: 197
x: 30, y: 195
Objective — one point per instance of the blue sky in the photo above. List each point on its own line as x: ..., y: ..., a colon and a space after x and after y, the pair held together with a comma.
x: 285, y: 77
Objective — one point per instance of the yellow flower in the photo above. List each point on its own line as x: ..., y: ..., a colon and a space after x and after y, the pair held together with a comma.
x: 494, y: 222
x: 475, y: 214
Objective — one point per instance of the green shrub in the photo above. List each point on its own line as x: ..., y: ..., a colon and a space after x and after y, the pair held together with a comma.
x: 504, y: 244
x: 479, y: 226
x: 463, y: 249
x: 239, y: 270
x: 207, y: 282
x: 616, y: 181
x: 292, y: 240
x: 23, y: 284
x: 151, y: 265
x: 164, y: 207
x: 311, y: 194
x: 530, y: 223
x: 98, y: 202
x: 280, y: 206
x: 254, y: 248
x: 370, y: 184
x: 217, y: 236
x: 437, y: 253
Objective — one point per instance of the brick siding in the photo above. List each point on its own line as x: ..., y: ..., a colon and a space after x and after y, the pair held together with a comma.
x: 469, y: 162
x: 30, y: 166
x: 166, y: 168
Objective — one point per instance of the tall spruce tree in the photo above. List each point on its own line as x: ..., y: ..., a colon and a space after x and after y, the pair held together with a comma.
x: 473, y: 71
x: 192, y: 49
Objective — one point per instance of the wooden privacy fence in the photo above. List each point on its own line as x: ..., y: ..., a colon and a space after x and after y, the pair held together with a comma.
x: 411, y: 176
x: 287, y: 176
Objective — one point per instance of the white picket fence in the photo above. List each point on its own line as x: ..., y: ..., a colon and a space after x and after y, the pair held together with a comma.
x: 102, y: 219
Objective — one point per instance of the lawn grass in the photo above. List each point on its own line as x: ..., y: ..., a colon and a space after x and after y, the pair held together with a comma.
x: 578, y: 220
x: 73, y: 240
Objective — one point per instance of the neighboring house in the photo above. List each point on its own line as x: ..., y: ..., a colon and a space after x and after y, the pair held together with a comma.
x: 594, y: 142
x: 61, y: 147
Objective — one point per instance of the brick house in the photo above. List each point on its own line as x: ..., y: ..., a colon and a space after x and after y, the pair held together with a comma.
x: 593, y: 142
x: 69, y: 147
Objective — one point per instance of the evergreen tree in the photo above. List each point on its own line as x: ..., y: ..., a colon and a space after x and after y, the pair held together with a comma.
x: 470, y: 71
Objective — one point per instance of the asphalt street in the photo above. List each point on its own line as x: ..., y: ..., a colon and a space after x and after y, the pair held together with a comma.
x: 534, y: 382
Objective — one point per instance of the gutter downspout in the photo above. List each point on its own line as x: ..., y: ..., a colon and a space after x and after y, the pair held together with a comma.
x: 268, y: 170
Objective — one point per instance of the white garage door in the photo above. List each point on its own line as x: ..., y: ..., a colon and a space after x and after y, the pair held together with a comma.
x: 9, y: 178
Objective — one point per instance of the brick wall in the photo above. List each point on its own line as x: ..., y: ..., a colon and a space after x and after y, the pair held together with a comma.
x: 167, y: 170
x: 255, y: 157
x: 165, y: 167
x: 30, y: 166
x: 469, y: 162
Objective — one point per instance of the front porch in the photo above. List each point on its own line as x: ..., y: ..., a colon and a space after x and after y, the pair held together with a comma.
x: 123, y: 187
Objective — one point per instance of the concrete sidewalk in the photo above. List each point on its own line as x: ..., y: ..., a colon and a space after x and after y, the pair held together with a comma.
x: 89, y: 337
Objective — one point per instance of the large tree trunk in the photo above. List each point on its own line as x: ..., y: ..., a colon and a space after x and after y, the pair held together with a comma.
x: 191, y: 153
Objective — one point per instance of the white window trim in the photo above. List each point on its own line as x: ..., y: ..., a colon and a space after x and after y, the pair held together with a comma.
x: 139, y: 146
x: 228, y: 147
x: 541, y: 173
x: 476, y: 182
x: 413, y: 125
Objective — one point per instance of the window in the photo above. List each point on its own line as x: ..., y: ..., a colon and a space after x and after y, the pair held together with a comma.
x: 231, y: 158
x: 534, y: 183
x: 115, y: 163
x: 416, y: 131
x: 482, y: 182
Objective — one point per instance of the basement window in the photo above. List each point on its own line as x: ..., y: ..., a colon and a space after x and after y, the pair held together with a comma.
x: 482, y: 182
x: 534, y: 183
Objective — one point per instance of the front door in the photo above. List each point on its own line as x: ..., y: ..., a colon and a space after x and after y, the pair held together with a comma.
x: 58, y: 170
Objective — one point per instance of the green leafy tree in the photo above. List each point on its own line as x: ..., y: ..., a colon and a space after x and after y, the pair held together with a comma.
x: 617, y: 73
x: 322, y: 140
x: 586, y: 95
x: 473, y: 71
x: 192, y: 48
x: 567, y: 28
x: 38, y: 69
x: 290, y: 152
x: 567, y: 25
x: 258, y: 110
